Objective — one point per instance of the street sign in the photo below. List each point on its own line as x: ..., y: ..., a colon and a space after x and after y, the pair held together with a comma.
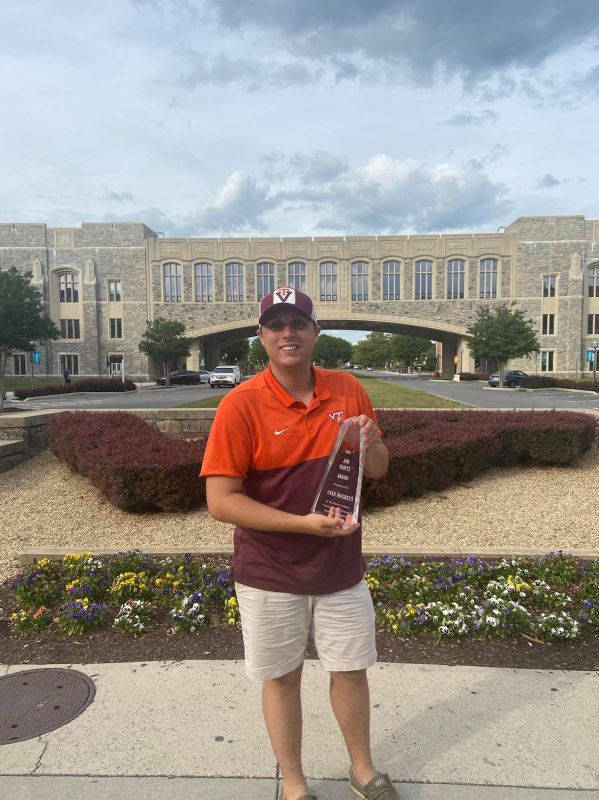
x: 590, y: 354
x: 35, y: 357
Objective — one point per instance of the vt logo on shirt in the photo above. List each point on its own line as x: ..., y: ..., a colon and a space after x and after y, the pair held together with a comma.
x: 336, y: 416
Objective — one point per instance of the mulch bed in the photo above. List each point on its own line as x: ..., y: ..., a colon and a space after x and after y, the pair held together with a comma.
x: 221, y: 642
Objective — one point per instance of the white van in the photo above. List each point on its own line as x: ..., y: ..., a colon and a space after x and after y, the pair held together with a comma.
x: 225, y: 376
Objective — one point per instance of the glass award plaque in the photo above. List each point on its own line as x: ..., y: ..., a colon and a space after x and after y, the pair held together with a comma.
x: 341, y: 483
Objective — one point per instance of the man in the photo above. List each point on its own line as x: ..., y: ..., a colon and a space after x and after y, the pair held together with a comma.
x: 295, y: 571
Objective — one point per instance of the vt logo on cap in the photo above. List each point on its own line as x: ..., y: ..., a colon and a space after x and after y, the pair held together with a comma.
x: 284, y: 294
x: 291, y: 297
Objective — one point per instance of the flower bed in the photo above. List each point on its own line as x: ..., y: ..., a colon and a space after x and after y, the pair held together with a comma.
x: 550, y: 599
x: 82, y: 593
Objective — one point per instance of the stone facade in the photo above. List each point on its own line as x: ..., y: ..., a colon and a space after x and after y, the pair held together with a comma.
x: 521, y: 262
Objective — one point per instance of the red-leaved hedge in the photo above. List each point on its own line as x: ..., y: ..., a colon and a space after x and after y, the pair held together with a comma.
x: 432, y: 450
x: 140, y: 469
x: 133, y: 464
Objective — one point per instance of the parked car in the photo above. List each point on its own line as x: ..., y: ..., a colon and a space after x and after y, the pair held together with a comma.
x: 187, y: 376
x: 225, y: 376
x: 511, y: 378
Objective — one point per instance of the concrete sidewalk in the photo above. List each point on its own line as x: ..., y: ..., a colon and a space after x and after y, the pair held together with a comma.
x: 193, y: 729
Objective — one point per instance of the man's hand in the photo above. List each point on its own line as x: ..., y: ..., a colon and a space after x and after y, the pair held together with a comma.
x: 334, y: 524
x: 370, y: 429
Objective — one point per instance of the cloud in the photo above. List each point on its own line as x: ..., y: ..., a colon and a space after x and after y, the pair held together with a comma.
x: 320, y: 167
x: 427, y: 40
x: 254, y: 75
x: 467, y: 118
x: 237, y: 207
x: 118, y: 197
x: 386, y: 195
x: 548, y: 181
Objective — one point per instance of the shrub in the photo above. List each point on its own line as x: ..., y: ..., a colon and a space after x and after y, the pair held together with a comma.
x: 475, y: 376
x: 78, y: 385
x: 431, y: 450
x: 132, y: 463
x: 546, y: 382
x: 140, y: 469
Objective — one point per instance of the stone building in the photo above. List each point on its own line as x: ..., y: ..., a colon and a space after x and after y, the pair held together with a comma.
x: 102, y: 282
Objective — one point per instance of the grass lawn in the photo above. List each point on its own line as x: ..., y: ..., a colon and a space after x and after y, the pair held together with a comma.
x: 382, y: 393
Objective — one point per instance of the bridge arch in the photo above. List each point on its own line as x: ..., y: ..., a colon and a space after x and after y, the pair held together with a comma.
x: 453, y: 337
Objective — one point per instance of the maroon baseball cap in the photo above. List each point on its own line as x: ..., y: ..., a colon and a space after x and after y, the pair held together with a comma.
x: 292, y: 298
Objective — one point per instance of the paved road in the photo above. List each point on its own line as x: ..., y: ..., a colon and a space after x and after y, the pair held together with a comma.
x: 145, y: 397
x: 479, y: 395
x: 473, y: 393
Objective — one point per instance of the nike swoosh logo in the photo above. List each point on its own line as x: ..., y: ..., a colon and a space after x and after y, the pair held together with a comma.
x: 278, y: 433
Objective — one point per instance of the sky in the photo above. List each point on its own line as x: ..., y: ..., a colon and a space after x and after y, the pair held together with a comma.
x: 299, y: 117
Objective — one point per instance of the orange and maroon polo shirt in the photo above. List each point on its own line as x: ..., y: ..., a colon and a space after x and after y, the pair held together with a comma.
x: 279, y: 448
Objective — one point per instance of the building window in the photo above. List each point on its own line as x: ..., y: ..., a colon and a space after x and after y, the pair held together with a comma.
x: 69, y: 362
x: 328, y: 281
x: 423, y: 283
x: 68, y: 287
x: 114, y: 291
x: 359, y: 280
x: 70, y: 329
x: 455, y: 279
x: 203, y: 282
x: 172, y: 283
x: 548, y: 324
x: 116, y: 328
x: 391, y: 280
x: 265, y: 278
x: 594, y: 282
x: 547, y: 361
x: 234, y: 281
x: 297, y: 275
x: 593, y: 324
x: 488, y: 278
x: 549, y: 286
x: 20, y: 364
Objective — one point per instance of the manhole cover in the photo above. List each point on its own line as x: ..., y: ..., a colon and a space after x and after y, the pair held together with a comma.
x: 39, y: 700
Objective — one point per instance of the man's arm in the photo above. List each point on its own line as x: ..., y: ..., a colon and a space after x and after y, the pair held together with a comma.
x: 227, y: 503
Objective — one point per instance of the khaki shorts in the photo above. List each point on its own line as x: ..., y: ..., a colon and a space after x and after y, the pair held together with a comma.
x: 276, y: 625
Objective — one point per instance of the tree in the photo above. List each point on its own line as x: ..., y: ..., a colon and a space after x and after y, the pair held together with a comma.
x: 257, y: 354
x: 234, y: 351
x: 410, y: 350
x: 332, y: 351
x: 373, y: 350
x: 502, y: 335
x: 164, y: 341
x: 23, y: 322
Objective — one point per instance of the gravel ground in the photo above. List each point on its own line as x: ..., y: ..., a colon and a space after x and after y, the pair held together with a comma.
x: 45, y: 505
